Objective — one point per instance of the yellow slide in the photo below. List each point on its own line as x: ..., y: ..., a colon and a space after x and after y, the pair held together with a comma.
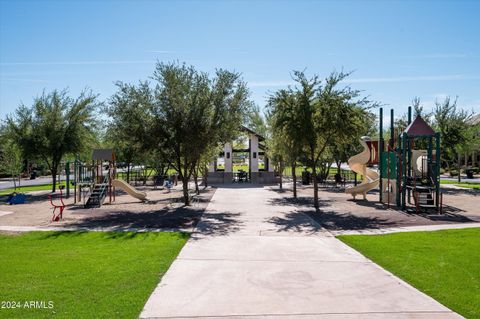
x: 358, y: 164
x: 129, y: 189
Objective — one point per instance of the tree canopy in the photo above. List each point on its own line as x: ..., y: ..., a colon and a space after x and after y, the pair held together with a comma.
x: 194, y: 112
x: 318, y: 115
x: 54, y: 126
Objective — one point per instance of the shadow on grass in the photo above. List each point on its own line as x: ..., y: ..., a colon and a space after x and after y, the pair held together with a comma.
x: 118, y: 235
x: 62, y: 234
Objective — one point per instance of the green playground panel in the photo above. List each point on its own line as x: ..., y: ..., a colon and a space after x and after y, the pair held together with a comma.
x: 389, y: 159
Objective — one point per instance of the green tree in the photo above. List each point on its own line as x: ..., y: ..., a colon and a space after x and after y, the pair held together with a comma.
x: 328, y: 114
x: 54, y: 126
x: 194, y: 113
x: 470, y: 144
x: 286, y: 138
x: 418, y: 110
x: 11, y: 160
x: 130, y: 123
x: 256, y: 121
x: 452, y: 123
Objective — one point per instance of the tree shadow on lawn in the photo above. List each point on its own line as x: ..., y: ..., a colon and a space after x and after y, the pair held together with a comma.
x: 122, y: 235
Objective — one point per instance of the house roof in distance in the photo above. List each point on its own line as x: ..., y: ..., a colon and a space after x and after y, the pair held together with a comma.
x: 105, y: 154
x: 246, y: 129
x: 419, y: 128
x: 474, y: 120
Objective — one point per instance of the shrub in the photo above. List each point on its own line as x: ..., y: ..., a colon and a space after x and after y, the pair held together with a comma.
x: 453, y: 172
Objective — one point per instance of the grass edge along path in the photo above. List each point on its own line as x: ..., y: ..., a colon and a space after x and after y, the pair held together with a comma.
x: 84, y: 274
x: 443, y: 264
x: 30, y: 188
x: 472, y: 185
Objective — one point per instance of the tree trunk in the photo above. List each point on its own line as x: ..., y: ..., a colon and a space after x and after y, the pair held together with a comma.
x: 54, y: 180
x: 459, y: 166
x: 280, y: 168
x: 339, y: 170
x: 195, y: 179
x: 186, y: 198
x: 128, y: 173
x: 14, y: 182
x: 294, y: 176
x: 205, y: 178
x: 315, y: 187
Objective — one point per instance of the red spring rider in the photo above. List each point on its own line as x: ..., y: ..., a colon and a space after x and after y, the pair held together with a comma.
x: 59, y: 215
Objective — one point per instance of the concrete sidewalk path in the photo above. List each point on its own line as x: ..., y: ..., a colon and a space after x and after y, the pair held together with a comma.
x: 253, y: 255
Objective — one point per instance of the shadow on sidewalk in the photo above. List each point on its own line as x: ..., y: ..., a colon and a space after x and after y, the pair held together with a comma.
x: 218, y: 224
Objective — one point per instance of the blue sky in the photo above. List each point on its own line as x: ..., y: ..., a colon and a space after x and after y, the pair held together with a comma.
x: 398, y: 50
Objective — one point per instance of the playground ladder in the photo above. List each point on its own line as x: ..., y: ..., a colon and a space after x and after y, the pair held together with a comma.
x: 98, y: 195
x: 423, y: 196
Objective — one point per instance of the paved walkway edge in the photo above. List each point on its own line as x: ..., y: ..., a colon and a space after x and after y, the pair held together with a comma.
x: 392, y: 230
x: 378, y: 231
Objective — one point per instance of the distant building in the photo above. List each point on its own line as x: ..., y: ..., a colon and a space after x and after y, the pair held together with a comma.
x: 256, y: 167
x: 474, y: 158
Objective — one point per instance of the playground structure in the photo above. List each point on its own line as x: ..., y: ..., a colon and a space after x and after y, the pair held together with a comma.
x: 93, y: 181
x: 358, y: 164
x: 129, y: 189
x: 97, y: 181
x: 408, y: 166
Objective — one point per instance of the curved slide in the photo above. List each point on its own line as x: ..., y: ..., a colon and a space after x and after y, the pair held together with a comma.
x: 358, y: 164
x: 129, y: 189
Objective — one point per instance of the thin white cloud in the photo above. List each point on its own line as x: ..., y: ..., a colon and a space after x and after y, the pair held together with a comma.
x: 162, y: 51
x: 193, y: 51
x: 94, y: 62
x: 440, y: 96
x: 270, y: 83
x: 450, y: 77
x: 21, y: 80
x: 443, y: 56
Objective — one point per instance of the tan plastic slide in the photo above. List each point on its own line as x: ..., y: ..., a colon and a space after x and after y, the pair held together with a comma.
x: 358, y: 164
x: 129, y: 189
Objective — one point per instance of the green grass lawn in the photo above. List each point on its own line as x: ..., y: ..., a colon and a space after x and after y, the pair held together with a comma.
x: 443, y: 264
x: 84, y: 274
x: 24, y: 189
x: 473, y: 185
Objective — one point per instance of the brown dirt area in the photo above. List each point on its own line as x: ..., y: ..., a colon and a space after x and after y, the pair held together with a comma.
x: 163, y: 210
x: 338, y: 211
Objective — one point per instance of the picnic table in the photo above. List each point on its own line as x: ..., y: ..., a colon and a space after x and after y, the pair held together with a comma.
x: 240, y: 176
